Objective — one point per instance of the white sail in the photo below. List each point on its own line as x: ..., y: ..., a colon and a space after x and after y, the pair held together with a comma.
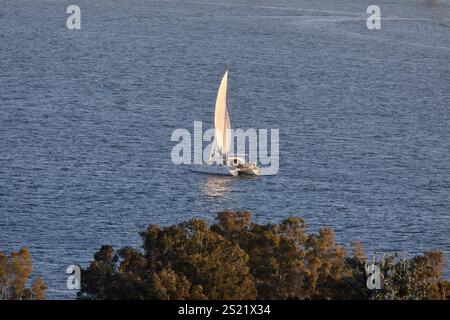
x: 222, y: 119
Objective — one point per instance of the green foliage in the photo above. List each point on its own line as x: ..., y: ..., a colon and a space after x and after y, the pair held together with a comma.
x: 15, y: 270
x: 418, y: 278
x: 236, y: 258
x: 188, y: 261
x: 285, y: 262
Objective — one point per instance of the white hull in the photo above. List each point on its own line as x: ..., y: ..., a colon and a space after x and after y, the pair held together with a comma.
x: 217, y: 169
x: 250, y: 170
x: 227, y: 170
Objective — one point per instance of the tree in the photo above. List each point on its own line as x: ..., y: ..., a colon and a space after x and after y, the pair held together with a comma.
x: 38, y: 289
x: 284, y: 260
x: 237, y: 258
x: 186, y: 261
x: 14, y: 273
x: 417, y: 278
x: 210, y: 262
x: 100, y: 278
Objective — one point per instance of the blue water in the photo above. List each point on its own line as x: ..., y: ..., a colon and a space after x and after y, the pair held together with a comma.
x: 86, y: 118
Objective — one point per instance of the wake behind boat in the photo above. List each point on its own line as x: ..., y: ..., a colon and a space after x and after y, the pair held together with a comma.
x: 221, y: 161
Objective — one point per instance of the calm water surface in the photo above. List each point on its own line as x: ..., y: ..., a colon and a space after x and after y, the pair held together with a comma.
x: 86, y: 118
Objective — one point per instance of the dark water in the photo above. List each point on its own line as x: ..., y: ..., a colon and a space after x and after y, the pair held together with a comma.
x: 86, y: 118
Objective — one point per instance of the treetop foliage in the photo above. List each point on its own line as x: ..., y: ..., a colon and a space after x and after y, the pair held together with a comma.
x: 236, y: 258
x: 15, y: 270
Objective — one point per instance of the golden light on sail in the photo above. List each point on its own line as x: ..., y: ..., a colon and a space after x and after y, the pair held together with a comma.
x: 222, y: 119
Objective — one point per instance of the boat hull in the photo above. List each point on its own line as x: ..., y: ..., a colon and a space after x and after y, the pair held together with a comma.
x: 221, y: 170
x: 250, y: 170
x: 226, y: 170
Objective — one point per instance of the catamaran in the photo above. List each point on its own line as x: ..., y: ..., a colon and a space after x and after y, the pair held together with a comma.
x: 221, y: 161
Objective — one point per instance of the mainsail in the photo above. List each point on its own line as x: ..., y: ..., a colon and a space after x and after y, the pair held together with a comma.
x: 222, y: 119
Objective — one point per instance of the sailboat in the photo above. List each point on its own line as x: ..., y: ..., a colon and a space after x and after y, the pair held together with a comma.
x: 221, y: 161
